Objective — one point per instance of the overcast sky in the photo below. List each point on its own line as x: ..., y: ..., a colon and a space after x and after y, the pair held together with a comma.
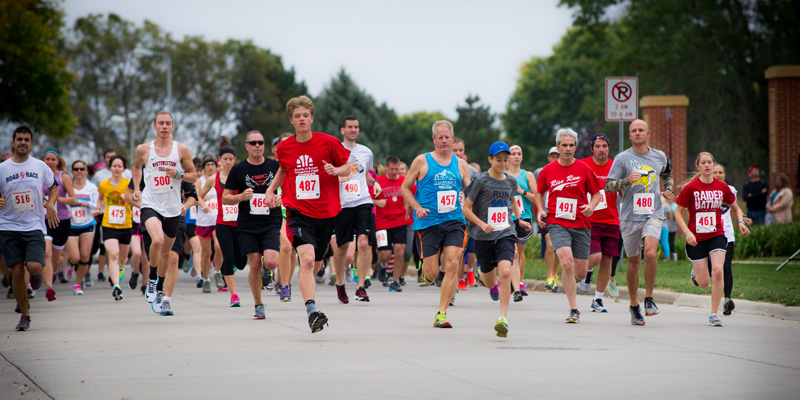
x: 413, y: 55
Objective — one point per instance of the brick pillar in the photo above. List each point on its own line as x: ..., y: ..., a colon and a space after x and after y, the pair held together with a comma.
x: 784, y: 122
x: 666, y: 117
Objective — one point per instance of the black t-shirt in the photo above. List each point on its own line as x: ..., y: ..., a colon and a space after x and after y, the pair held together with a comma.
x: 245, y: 176
x: 755, y: 195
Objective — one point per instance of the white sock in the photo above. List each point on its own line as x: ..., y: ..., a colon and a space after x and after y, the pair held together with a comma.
x: 598, y: 295
x: 166, y: 298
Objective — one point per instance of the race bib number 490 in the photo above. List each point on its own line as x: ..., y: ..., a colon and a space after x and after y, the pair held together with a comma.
x: 351, y: 190
x: 307, y: 187
x: 446, y: 201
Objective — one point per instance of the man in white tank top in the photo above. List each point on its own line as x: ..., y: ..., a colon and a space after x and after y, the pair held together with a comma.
x: 166, y: 164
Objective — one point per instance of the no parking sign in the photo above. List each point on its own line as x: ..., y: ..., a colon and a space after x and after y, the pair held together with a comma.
x: 622, y: 96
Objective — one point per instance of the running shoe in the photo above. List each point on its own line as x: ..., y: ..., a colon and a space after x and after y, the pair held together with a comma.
x: 522, y: 289
x: 342, y: 294
x: 650, y: 307
x: 587, y: 283
x: 10, y: 294
x: 206, y: 286
x: 636, y: 316
x: 388, y: 281
x: 150, y: 294
x: 50, y: 294
x: 159, y: 303
x: 381, y: 273
x: 440, y: 321
x: 597, y: 306
x: 117, y: 293
x: 612, y: 289
x: 198, y: 282
x: 134, y: 281
x: 395, y: 287
x: 87, y: 280
x: 694, y: 278
x: 266, y: 279
x: 355, y: 274
x: 235, y: 300
x: 121, y: 274
x: 31, y: 292
x: 713, y: 320
x: 61, y: 277
x: 187, y: 265
x: 420, y: 281
x: 144, y: 288
x: 331, y: 280
x: 501, y: 327
x: 517, y: 296
x: 320, y: 279
x: 222, y: 289
x: 439, y: 279
x: 367, y: 282
x: 348, y: 273
x: 728, y: 307
x: 494, y: 293
x: 361, y: 295
x: 77, y: 290
x: 402, y: 281
x: 453, y: 300
x: 259, y: 314
x: 462, y: 284
x: 70, y: 271
x: 166, y: 309
x: 574, y: 317
x: 317, y: 320
x: 471, y: 281
x: 24, y: 323
x: 286, y: 293
x: 218, y: 280
x: 101, y: 277
x: 548, y: 286
x: 555, y: 284
x: 585, y: 287
x: 36, y: 281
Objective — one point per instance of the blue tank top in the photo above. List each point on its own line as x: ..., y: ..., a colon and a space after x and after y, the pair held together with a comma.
x: 522, y: 181
x: 438, y: 192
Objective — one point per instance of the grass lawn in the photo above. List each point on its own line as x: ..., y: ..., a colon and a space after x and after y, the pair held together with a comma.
x: 759, y: 282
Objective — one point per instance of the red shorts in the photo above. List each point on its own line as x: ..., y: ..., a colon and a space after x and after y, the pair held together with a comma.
x: 204, y: 232
x: 605, y: 239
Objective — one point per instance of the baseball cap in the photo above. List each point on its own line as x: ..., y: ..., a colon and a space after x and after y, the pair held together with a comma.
x: 276, y: 141
x: 553, y: 150
x: 752, y: 167
x: 498, y: 147
x: 600, y: 135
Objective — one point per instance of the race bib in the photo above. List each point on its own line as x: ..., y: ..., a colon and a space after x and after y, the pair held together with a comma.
x: 446, y: 201
x: 230, y: 213
x: 565, y: 208
x: 212, y: 207
x: 705, y: 222
x: 116, y: 215
x: 461, y: 197
x: 520, y: 204
x: 193, y: 212
x: 258, y: 204
x: 136, y: 214
x: 602, y: 205
x: 382, y: 237
x: 643, y: 203
x: 79, y: 216
x: 498, y: 217
x: 351, y: 190
x: 23, y: 200
x: 161, y: 182
x: 307, y: 187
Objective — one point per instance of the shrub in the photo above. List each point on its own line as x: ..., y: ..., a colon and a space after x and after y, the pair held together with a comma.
x: 768, y: 241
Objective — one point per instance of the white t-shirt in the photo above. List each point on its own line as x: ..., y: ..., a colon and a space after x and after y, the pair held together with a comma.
x: 727, y: 224
x: 21, y: 185
x: 355, y: 192
x: 87, y: 193
x: 105, y: 174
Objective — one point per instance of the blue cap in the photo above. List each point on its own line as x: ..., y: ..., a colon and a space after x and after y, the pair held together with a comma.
x: 498, y: 147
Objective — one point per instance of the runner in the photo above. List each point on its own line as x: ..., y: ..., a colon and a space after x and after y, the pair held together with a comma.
x: 356, y: 218
x: 390, y: 220
x: 489, y: 201
x: 637, y: 172
x: 468, y: 265
x: 56, y: 238
x: 567, y: 182
x: 116, y: 222
x: 705, y: 197
x: 258, y: 225
x: 524, y: 196
x: 550, y: 260
x: 441, y: 226
x: 161, y: 199
x: 139, y: 260
x: 22, y: 216
x: 605, y: 224
x: 101, y: 174
x: 310, y: 162
x: 287, y: 258
x: 82, y: 223
x: 207, y: 223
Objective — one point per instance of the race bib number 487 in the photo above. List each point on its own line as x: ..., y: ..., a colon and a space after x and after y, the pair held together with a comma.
x: 307, y: 187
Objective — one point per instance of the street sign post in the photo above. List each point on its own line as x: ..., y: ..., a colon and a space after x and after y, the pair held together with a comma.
x: 622, y: 101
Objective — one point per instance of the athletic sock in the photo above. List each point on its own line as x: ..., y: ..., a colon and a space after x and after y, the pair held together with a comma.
x: 160, y: 284
x: 311, y: 307
x: 338, y: 285
x: 598, y: 295
x: 166, y: 298
x: 153, y: 273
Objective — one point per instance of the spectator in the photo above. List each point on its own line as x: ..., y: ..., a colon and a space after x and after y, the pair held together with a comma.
x: 755, y: 195
x: 781, y: 200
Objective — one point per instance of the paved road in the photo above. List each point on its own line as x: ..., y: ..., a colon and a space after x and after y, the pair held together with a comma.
x: 90, y: 347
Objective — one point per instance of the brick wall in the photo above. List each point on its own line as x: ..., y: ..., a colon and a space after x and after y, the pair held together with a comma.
x: 784, y: 122
x: 654, y: 112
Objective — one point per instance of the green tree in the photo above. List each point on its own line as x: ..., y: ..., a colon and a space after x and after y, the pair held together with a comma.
x: 34, y: 81
x: 475, y: 124
x: 415, y: 134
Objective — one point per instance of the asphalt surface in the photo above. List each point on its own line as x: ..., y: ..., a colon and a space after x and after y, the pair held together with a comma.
x: 91, y: 347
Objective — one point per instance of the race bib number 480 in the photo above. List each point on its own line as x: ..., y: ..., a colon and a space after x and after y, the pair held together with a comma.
x: 643, y: 203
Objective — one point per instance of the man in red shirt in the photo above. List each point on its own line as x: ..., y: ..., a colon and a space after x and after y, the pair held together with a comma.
x: 391, y: 224
x: 311, y: 162
x: 568, y: 181
x: 605, y: 224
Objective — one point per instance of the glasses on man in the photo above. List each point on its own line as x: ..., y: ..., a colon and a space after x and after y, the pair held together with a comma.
x: 256, y: 143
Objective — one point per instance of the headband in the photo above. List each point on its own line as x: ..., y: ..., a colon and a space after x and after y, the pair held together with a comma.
x: 227, y: 150
x: 52, y: 151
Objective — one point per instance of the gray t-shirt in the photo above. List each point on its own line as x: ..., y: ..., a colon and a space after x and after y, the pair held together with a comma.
x: 546, y: 194
x: 653, y: 163
x: 486, y: 192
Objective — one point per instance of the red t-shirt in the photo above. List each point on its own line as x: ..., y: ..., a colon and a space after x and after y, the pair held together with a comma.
x: 704, y: 202
x: 394, y: 213
x: 567, y: 188
x: 306, y: 186
x: 610, y: 214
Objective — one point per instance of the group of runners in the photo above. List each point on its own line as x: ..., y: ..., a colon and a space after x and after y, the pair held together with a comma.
x: 317, y: 199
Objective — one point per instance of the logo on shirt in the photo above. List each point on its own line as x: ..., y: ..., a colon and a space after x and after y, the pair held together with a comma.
x: 445, y: 179
x: 356, y: 167
x: 648, y: 175
x: 258, y: 180
x: 304, y: 161
x: 561, y: 184
x: 21, y: 175
x: 707, y: 199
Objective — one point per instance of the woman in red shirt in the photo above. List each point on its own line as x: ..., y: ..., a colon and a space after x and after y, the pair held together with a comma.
x: 704, y: 197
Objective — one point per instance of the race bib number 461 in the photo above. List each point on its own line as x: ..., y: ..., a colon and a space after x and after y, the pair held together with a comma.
x: 705, y: 222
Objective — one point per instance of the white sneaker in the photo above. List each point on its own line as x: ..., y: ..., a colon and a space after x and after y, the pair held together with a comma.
x: 150, y: 293
x: 157, y: 304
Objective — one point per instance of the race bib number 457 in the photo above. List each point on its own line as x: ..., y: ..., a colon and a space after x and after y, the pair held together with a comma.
x: 446, y: 201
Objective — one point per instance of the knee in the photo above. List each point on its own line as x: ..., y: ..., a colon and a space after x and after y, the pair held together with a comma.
x: 363, y: 244
x: 650, y: 255
x: 717, y: 275
x: 504, y: 273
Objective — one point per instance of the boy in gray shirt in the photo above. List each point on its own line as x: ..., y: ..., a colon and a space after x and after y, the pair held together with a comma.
x: 488, y: 205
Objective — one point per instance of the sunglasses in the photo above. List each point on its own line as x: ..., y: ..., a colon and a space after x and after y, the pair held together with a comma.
x: 79, y: 169
x: 256, y: 143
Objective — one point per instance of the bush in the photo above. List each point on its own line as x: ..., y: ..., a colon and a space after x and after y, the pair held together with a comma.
x: 768, y: 241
